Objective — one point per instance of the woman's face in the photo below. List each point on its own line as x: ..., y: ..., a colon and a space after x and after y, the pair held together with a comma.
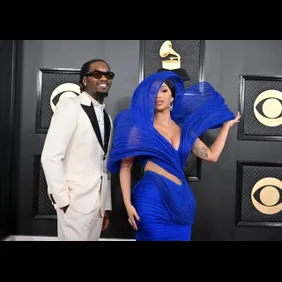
x: 164, y: 98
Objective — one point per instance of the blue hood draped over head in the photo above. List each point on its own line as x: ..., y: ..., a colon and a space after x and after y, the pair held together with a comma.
x: 196, y: 109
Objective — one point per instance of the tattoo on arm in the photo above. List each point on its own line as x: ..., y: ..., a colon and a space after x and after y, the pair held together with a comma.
x: 200, y: 151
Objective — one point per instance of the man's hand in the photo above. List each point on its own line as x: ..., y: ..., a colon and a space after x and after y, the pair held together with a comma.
x: 106, y: 220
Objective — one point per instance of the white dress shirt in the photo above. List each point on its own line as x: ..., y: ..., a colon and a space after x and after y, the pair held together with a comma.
x: 99, y: 110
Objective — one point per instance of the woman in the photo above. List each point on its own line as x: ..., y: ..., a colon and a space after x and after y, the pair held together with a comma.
x: 160, y: 129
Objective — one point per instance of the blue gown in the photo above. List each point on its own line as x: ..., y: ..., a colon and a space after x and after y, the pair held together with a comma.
x: 166, y: 209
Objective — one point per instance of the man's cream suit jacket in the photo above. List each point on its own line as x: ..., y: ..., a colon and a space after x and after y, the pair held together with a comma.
x: 73, y: 158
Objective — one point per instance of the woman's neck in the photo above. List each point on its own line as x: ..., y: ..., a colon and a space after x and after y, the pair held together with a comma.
x: 163, y: 117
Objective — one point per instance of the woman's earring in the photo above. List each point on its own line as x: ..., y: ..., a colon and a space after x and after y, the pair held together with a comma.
x: 171, y: 105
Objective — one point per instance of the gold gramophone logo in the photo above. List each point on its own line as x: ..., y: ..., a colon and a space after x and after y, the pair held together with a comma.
x: 266, y: 195
x: 62, y: 91
x: 173, y: 62
x: 268, y: 108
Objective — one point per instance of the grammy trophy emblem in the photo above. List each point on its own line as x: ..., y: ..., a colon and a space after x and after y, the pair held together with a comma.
x: 173, y: 62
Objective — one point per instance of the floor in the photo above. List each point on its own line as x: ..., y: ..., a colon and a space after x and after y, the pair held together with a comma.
x: 46, y: 238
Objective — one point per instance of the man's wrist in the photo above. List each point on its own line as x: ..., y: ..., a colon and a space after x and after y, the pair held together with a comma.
x: 107, y: 213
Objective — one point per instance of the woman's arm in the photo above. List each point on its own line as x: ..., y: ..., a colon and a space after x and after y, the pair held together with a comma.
x: 125, y: 179
x: 125, y: 182
x: 212, y: 154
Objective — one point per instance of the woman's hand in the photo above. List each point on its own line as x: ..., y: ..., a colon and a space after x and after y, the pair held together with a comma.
x: 235, y: 120
x: 132, y: 215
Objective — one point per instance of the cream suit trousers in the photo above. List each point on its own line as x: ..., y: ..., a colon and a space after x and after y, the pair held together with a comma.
x: 75, y: 226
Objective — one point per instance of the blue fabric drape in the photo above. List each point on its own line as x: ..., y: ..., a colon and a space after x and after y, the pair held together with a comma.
x: 195, y: 110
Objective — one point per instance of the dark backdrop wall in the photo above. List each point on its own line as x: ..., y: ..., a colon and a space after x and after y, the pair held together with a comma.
x: 46, y: 64
x: 7, y: 73
x: 223, y: 192
x: 223, y: 200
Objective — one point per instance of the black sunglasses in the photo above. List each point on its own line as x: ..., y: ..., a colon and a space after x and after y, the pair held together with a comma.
x: 98, y: 74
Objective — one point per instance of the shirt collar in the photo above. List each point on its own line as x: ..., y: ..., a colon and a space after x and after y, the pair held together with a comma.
x: 96, y: 103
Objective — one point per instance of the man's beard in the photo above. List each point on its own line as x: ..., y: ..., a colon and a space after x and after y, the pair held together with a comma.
x: 102, y: 94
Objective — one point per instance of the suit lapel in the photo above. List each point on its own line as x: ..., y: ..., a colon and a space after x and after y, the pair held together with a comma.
x: 89, y: 110
x: 107, y: 131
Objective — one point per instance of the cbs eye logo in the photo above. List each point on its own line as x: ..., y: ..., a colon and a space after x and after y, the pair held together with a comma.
x: 266, y: 195
x: 62, y: 91
x: 268, y: 108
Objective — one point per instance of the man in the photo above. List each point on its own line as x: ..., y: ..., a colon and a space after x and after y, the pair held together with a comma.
x: 75, y: 154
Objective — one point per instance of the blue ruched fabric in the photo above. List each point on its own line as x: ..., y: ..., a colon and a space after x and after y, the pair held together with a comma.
x: 166, y: 209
